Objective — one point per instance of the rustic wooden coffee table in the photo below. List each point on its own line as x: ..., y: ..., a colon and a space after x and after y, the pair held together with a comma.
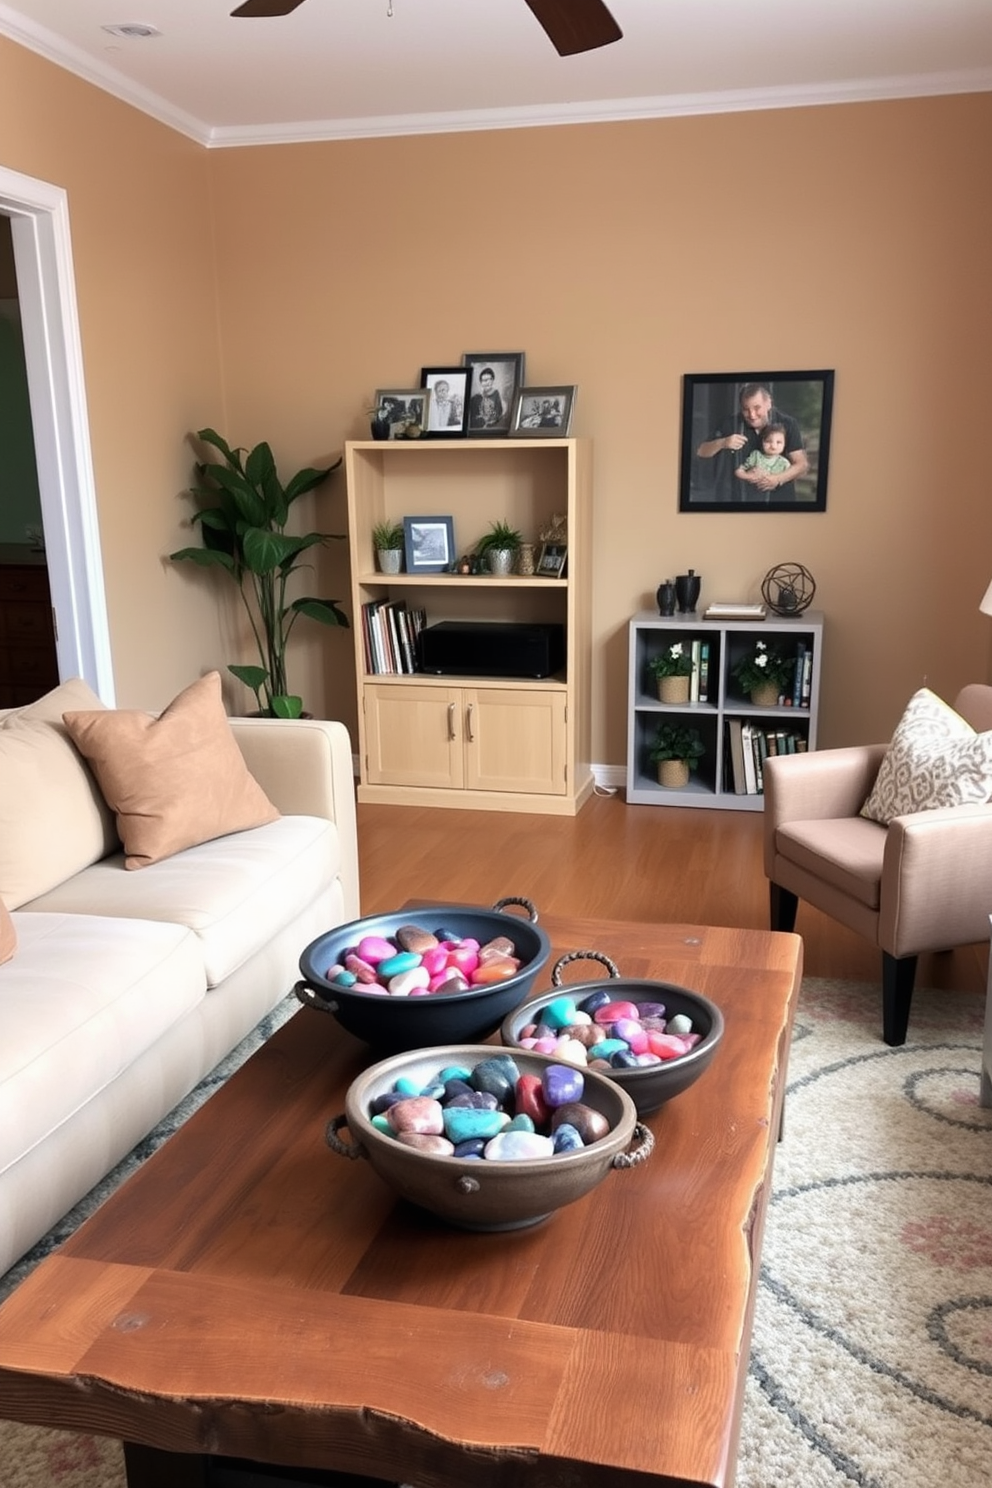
x: 250, y: 1294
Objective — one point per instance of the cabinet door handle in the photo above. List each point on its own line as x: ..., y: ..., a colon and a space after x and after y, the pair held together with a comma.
x: 468, y: 722
x: 451, y: 721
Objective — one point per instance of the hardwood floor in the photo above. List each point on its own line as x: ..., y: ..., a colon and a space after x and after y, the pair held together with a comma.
x: 613, y: 860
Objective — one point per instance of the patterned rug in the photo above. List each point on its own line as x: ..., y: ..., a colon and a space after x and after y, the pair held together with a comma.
x: 872, y: 1354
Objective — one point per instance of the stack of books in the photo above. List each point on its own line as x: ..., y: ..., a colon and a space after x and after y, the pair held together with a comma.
x: 389, y: 636
x: 734, y: 611
x: 749, y: 746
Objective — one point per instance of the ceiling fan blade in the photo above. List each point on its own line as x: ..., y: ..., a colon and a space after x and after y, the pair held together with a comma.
x: 576, y: 25
x: 266, y: 7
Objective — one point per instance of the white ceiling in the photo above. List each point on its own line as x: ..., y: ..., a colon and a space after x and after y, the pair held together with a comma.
x: 341, y: 68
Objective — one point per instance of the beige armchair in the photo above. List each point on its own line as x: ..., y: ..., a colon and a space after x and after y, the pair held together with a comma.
x: 924, y: 883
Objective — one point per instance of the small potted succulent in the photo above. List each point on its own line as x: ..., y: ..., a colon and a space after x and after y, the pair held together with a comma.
x: 387, y: 540
x: 763, y: 673
x: 672, y: 669
x: 676, y: 749
x: 499, y: 547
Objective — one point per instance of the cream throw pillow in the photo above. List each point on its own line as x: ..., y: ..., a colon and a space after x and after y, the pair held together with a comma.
x: 8, y: 935
x: 174, y: 781
x: 935, y: 759
x: 53, y: 820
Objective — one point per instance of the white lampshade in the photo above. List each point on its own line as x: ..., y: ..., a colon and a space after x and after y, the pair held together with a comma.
x: 986, y: 604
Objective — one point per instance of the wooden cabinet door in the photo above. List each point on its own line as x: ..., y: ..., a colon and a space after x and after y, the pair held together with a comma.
x: 514, y: 740
x: 414, y: 736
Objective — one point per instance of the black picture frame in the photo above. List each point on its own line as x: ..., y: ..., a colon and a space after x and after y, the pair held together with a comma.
x: 543, y: 412
x: 400, y: 406
x: 507, y: 371
x: 713, y: 406
x: 551, y: 560
x: 429, y: 544
x: 444, y: 421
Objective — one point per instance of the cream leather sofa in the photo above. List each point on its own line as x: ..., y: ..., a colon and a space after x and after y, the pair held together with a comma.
x: 126, y: 988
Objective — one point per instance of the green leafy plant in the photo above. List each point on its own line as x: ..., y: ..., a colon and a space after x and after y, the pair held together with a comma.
x: 501, y: 537
x: 387, y: 536
x: 242, y: 519
x: 677, y: 741
x: 674, y: 661
x: 762, y: 666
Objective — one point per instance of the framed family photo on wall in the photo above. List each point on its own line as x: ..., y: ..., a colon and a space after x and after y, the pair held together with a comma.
x: 449, y: 401
x: 494, y: 377
x: 755, y: 441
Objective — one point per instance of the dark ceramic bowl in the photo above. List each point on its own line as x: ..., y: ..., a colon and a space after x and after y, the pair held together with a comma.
x: 649, y: 1086
x: 472, y: 1193
x: 392, y: 1024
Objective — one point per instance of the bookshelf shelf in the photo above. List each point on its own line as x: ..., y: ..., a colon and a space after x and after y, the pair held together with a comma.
x: 725, y: 711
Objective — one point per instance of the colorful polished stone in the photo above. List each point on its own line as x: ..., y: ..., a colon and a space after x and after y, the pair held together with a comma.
x: 417, y: 1114
x: 561, y: 1085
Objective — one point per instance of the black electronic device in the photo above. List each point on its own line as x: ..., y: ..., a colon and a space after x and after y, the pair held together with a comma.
x: 491, y: 648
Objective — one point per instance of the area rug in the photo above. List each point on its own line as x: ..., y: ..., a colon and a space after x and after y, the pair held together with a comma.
x: 871, y: 1362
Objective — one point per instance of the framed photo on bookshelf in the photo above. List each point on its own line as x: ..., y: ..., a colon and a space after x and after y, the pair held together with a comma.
x: 429, y: 544
x: 543, y: 412
x: 401, y: 406
x: 448, y: 412
x: 494, y: 377
x: 755, y: 441
x: 552, y: 559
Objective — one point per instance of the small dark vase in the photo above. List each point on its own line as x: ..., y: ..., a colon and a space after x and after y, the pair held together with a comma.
x: 666, y: 598
x: 380, y: 428
x: 687, y: 588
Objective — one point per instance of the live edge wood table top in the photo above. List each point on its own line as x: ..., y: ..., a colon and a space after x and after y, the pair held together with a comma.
x: 251, y: 1293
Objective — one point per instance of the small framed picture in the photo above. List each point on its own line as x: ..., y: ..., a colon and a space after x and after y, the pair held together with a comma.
x: 449, y: 401
x: 494, y: 377
x: 755, y: 441
x: 542, y: 412
x: 399, y: 407
x: 429, y: 543
x: 551, y: 560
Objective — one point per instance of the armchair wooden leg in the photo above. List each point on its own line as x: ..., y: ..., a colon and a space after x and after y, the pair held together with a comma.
x: 898, y: 975
x: 782, y: 907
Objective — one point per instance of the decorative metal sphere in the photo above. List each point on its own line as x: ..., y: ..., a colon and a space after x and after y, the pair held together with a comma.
x: 788, y: 588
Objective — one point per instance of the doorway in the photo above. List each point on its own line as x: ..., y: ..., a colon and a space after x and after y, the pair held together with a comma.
x: 39, y: 228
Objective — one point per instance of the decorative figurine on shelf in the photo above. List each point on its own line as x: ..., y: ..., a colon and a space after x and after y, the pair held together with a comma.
x: 788, y: 588
x: 665, y: 595
x: 556, y: 531
x: 687, y: 590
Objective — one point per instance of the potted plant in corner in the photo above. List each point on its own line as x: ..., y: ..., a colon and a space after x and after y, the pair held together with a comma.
x: 672, y: 669
x: 499, y: 546
x: 242, y: 520
x: 763, y: 674
x: 387, y: 540
x: 676, y: 749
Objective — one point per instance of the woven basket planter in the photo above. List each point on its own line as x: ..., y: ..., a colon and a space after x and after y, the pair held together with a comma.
x: 673, y: 689
x: 765, y: 696
x: 673, y: 773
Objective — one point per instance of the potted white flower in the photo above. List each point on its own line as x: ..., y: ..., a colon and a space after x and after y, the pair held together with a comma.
x: 763, y: 674
x: 672, y: 669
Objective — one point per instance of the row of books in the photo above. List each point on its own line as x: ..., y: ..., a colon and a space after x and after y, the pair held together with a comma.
x: 699, y: 677
x: 802, y: 676
x: 389, y: 635
x: 748, y: 748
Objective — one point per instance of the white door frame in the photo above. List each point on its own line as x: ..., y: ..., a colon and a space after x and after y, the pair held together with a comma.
x: 39, y: 214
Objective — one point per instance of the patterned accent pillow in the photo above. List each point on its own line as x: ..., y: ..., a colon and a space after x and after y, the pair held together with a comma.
x: 935, y: 759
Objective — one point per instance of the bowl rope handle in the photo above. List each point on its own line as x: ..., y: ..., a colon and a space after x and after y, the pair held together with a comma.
x: 563, y: 961
x: 526, y: 904
x: 644, y: 1137
x: 311, y: 998
x: 346, y: 1149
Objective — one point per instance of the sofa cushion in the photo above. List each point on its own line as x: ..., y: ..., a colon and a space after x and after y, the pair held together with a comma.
x: 234, y: 893
x: 175, y: 780
x: 83, y: 999
x: 8, y: 935
x: 847, y: 852
x: 53, y: 820
x: 935, y: 759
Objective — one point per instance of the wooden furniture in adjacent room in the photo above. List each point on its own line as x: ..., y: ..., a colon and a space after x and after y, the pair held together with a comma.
x: 725, y: 707
x: 28, y: 663
x: 250, y: 1294
x: 493, y: 743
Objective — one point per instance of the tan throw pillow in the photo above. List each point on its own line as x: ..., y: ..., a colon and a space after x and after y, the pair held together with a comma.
x: 8, y: 935
x: 174, y: 781
x: 935, y: 759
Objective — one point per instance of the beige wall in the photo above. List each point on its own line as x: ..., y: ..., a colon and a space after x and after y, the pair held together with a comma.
x: 617, y: 257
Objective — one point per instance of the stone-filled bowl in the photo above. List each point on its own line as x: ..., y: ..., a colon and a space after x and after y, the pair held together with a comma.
x: 393, y: 1024
x: 649, y: 1086
x: 473, y: 1193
